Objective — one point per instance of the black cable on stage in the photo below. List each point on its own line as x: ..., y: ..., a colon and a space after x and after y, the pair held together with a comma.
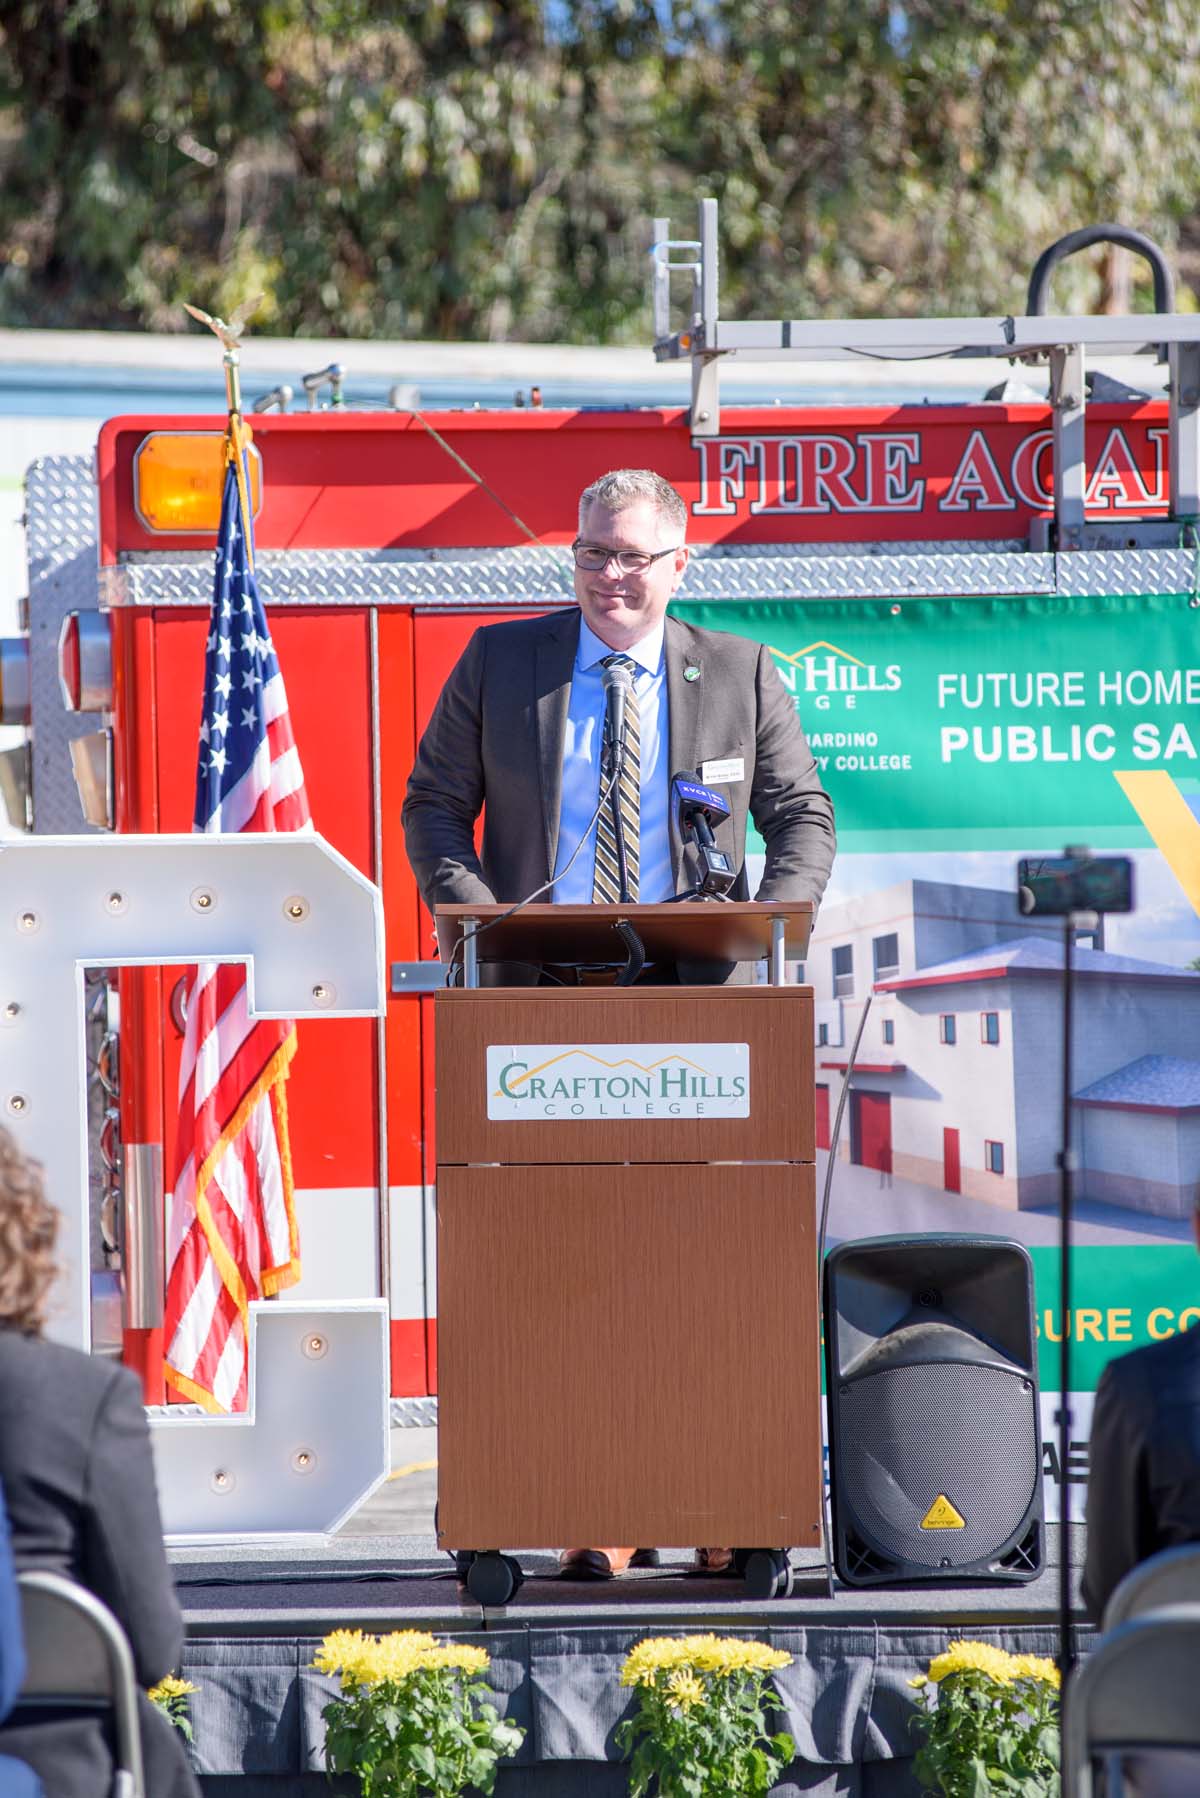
x: 332, y: 1577
x: 345, y: 1576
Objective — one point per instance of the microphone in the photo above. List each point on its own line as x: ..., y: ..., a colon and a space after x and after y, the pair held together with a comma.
x: 618, y: 685
x: 697, y: 808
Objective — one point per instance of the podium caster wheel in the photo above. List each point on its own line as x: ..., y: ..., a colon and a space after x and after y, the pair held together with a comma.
x: 767, y: 1574
x: 492, y: 1579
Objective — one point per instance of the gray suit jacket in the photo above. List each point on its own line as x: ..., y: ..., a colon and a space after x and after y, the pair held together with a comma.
x: 78, y: 1475
x: 495, y: 743
x: 1144, y: 1462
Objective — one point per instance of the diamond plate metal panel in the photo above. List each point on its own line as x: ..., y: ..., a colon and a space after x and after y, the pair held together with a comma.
x: 537, y: 576
x: 359, y: 577
x: 540, y: 576
x: 413, y: 1413
x: 905, y: 546
x: 869, y: 576
x: 1089, y: 571
x: 61, y: 550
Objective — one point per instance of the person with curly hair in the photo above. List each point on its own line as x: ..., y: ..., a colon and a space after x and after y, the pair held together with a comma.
x: 78, y: 1477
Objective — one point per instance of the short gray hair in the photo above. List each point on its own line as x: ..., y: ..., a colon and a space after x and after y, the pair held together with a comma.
x: 623, y: 487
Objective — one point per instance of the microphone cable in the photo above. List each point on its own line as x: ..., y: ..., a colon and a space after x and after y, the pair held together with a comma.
x: 468, y: 936
x: 834, y: 1139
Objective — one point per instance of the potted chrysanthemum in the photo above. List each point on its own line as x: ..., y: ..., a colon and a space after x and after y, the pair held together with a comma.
x: 990, y: 1723
x: 700, y: 1727
x: 414, y: 1718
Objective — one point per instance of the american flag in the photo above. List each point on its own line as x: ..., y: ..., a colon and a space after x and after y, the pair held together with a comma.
x: 232, y: 1229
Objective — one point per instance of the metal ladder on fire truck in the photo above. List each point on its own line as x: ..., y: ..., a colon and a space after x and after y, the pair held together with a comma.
x: 1062, y: 342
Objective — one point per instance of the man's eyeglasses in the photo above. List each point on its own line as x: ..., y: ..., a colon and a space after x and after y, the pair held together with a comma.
x: 592, y: 557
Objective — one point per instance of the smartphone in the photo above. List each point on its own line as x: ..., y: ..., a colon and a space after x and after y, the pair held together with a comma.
x: 1058, y: 884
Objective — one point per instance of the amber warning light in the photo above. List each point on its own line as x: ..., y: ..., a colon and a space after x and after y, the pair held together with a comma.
x: 177, y: 481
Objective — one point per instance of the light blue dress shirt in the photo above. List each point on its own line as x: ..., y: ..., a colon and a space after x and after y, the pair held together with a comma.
x: 581, y: 769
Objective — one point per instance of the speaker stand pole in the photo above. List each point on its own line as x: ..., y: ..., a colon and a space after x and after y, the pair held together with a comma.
x: 1066, y: 1164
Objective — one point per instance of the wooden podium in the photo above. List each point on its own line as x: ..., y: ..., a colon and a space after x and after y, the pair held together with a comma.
x: 627, y: 1281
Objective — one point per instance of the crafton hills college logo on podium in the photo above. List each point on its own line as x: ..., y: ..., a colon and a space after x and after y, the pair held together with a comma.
x: 618, y: 1080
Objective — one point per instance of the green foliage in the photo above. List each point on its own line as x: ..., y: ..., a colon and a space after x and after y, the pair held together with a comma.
x: 703, y: 1736
x: 989, y: 1734
x: 489, y: 168
x: 432, y: 1731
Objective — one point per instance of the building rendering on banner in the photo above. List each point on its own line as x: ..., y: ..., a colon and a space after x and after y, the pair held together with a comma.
x: 956, y: 1084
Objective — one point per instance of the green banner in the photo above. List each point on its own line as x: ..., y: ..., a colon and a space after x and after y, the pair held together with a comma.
x: 954, y: 734
x: 985, y: 723
x: 1120, y: 1299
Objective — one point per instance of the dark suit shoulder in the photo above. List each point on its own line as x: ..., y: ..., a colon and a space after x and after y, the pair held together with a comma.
x: 728, y: 645
x: 56, y: 1404
x: 1156, y: 1367
x: 80, y: 1383
x: 522, y: 634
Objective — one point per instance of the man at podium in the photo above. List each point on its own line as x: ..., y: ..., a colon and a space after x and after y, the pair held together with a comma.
x: 523, y: 731
x: 521, y: 723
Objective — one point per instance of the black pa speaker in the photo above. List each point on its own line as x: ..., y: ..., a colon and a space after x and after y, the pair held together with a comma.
x: 935, y: 1458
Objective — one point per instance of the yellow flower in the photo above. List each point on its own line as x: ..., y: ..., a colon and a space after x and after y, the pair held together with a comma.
x: 734, y: 1654
x: 370, y: 1660
x: 975, y: 1657
x: 467, y: 1660
x: 1036, y: 1666
x: 647, y: 1658
x: 339, y: 1647
x: 170, y: 1687
x: 719, y: 1655
x: 995, y: 1663
x: 685, y: 1689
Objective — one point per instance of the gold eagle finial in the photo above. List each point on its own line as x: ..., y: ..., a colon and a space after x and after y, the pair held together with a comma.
x: 229, y: 335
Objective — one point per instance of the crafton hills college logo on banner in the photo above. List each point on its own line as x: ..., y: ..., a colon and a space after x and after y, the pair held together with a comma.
x: 618, y: 1080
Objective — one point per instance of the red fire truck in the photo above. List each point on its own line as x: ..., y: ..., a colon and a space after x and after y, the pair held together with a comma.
x: 385, y: 538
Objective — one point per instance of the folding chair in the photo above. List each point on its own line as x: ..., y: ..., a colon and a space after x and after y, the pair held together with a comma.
x: 1166, y: 1580
x: 76, y: 1652
x: 1135, y: 1693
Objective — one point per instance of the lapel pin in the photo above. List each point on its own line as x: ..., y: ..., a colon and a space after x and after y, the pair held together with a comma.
x: 691, y: 673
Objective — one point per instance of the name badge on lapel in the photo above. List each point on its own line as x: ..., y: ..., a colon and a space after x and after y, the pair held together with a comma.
x: 730, y: 767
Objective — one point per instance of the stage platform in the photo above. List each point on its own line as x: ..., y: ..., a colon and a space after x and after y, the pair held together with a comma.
x: 256, y: 1614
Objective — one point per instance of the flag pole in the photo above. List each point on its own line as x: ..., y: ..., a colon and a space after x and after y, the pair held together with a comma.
x: 216, y: 1274
x: 233, y: 381
x: 237, y: 437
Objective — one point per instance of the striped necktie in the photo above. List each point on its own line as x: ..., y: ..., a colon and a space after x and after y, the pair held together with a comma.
x: 606, y: 886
